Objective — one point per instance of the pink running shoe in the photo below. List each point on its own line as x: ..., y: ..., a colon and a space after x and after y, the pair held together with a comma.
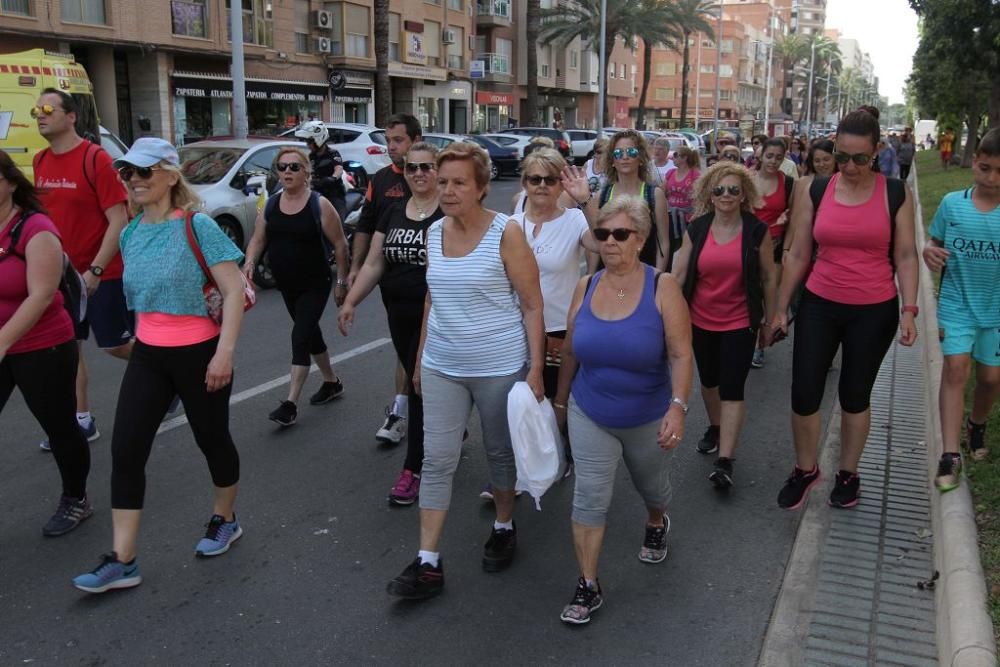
x: 407, y: 489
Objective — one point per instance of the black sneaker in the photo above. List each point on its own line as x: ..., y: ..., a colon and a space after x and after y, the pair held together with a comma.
x: 418, y: 581
x: 975, y: 440
x: 654, y: 544
x: 796, y: 489
x: 285, y: 414
x: 722, y: 475
x: 499, y: 550
x: 585, y: 602
x: 70, y: 513
x: 709, y: 443
x: 846, y: 490
x: 327, y: 392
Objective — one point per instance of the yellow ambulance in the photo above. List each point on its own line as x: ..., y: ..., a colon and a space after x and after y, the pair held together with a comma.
x: 23, y: 76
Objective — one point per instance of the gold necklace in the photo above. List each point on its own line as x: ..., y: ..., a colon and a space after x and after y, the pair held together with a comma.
x: 621, y: 290
x: 421, y: 212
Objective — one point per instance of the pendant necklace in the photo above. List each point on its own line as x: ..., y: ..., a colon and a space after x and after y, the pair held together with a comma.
x: 421, y: 213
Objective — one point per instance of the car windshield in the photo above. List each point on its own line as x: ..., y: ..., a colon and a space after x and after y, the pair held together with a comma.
x: 202, y: 165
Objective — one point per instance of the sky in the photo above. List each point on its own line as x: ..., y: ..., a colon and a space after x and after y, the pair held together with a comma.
x: 886, y: 29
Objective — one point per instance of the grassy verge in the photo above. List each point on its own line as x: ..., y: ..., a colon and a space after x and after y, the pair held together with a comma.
x: 983, y: 476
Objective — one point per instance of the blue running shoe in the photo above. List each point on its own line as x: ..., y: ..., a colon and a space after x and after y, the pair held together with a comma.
x: 111, y: 573
x: 219, y: 537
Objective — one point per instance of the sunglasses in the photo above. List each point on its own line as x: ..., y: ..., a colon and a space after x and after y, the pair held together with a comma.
x: 619, y: 153
x: 284, y: 166
x: 414, y: 167
x: 144, y: 173
x: 535, y: 179
x: 720, y: 190
x: 43, y: 110
x: 860, y: 159
x: 620, y: 234
x: 732, y: 157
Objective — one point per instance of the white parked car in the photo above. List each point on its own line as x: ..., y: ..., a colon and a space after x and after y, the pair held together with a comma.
x: 356, y: 142
x: 581, y: 145
x: 115, y: 147
x: 515, y: 141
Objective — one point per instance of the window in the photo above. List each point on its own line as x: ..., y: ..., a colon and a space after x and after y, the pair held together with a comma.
x: 621, y: 71
x: 505, y: 48
x: 20, y: 7
x: 725, y: 70
x: 357, y: 28
x: 708, y: 69
x: 457, y: 5
x: 663, y: 94
x: 258, y: 22
x: 302, y: 26
x: 432, y: 43
x: 189, y: 18
x: 726, y: 45
x: 724, y: 94
x: 666, y: 69
x: 82, y: 11
x: 544, y: 60
x: 574, y: 59
x: 611, y: 70
x: 707, y: 94
x: 394, y: 37
x: 456, y: 51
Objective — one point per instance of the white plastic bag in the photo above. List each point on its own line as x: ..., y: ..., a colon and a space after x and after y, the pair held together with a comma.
x: 537, y: 443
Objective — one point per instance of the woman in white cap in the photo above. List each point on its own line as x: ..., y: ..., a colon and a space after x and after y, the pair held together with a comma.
x: 179, y: 351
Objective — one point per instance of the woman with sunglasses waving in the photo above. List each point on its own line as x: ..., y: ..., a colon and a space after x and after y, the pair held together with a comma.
x: 623, y: 391
x: 38, y: 353
x: 628, y: 173
x: 863, y: 228
x: 179, y: 351
x: 727, y: 268
x: 397, y: 262
x: 482, y: 332
x: 298, y: 226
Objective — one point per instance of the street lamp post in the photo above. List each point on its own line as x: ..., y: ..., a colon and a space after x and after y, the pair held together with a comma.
x: 767, y: 88
x: 603, y: 75
x: 809, y: 96
x: 697, y: 87
x: 718, y: 78
x: 240, y: 125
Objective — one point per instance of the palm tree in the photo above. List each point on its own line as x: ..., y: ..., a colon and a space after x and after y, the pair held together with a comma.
x: 561, y: 25
x: 827, y: 60
x: 792, y: 49
x: 383, y: 87
x: 692, y: 16
x: 531, y: 101
x: 656, y: 23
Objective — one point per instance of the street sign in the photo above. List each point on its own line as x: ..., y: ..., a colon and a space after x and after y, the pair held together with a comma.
x: 477, y: 69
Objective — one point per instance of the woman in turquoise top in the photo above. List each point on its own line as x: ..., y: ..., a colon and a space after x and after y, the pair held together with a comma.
x: 179, y: 351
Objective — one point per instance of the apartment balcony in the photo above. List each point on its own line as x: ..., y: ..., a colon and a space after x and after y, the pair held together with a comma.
x: 493, y: 13
x: 496, y: 67
x: 589, y: 87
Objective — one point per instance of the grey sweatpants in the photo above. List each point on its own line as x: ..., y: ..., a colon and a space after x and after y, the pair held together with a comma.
x: 448, y: 402
x: 596, y: 452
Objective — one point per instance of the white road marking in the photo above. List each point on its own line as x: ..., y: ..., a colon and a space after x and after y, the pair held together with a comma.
x: 246, y: 394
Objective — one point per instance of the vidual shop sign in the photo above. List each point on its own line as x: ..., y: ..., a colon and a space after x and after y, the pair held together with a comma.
x: 256, y: 90
x: 477, y: 69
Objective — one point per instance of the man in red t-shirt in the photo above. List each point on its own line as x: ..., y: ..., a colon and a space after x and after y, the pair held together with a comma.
x: 87, y: 202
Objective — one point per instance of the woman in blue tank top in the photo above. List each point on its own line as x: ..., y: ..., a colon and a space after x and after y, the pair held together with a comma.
x: 623, y: 389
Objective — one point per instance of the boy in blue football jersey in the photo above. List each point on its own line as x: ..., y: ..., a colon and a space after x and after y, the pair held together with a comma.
x: 965, y: 246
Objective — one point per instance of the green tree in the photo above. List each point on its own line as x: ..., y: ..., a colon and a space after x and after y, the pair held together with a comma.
x: 827, y: 60
x: 383, y: 87
x: 793, y: 49
x: 656, y: 24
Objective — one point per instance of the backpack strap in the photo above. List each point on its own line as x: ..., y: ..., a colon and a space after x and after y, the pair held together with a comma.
x: 91, y: 151
x: 195, y: 248
x: 816, y: 191
x: 15, y: 234
x: 789, y: 187
x: 896, y: 193
x: 317, y: 213
x: 127, y: 232
x: 605, y: 195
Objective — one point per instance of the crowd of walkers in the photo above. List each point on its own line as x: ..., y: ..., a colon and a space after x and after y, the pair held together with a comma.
x: 680, y: 268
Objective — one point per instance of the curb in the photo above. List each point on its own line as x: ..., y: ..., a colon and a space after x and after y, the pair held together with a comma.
x: 964, y: 629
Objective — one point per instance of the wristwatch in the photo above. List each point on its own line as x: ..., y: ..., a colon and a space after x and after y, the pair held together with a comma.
x: 684, y: 406
x: 96, y: 270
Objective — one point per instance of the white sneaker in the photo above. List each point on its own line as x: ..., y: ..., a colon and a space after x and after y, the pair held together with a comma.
x: 393, y: 430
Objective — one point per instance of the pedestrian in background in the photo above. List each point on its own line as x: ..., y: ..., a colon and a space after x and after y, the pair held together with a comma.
x: 594, y: 168
x: 730, y: 282
x: 624, y: 401
x: 38, y: 351
x: 904, y: 155
x: 945, y: 143
x: 482, y: 333
x: 179, y: 351
x: 297, y: 226
x: 661, y: 164
x: 887, y: 164
x: 327, y: 166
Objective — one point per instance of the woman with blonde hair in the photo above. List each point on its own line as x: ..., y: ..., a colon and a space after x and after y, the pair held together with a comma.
x: 179, y: 351
x: 298, y: 226
x: 726, y: 265
x: 594, y: 168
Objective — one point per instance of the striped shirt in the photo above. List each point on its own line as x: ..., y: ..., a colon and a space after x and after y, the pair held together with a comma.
x: 969, y: 293
x: 475, y: 327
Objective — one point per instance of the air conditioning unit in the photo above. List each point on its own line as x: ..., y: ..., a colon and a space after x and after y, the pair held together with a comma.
x: 322, y: 45
x: 447, y: 36
x: 322, y: 20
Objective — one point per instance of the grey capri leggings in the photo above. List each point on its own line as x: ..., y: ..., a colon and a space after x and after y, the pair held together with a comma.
x: 448, y: 402
x: 596, y: 452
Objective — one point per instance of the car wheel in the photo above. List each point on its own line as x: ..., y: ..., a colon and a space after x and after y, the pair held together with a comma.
x: 262, y: 276
x: 494, y: 171
x: 232, y: 229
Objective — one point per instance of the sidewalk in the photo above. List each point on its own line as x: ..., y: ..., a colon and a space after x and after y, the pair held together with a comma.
x: 850, y: 595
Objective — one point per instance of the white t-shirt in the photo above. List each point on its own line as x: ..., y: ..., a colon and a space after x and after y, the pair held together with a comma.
x: 559, y: 253
x: 659, y: 174
x: 595, y: 180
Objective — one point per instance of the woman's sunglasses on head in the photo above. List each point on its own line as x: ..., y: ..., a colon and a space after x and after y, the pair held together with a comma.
x: 285, y: 166
x: 732, y: 157
x: 620, y: 234
x: 144, y: 173
x: 414, y: 167
x: 535, y: 179
x: 619, y: 153
x: 860, y: 159
x: 720, y: 190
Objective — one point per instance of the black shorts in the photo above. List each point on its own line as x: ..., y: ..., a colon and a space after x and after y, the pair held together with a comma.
x: 108, y: 316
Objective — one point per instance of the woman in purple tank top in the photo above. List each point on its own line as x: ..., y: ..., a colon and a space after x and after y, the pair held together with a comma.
x: 623, y: 390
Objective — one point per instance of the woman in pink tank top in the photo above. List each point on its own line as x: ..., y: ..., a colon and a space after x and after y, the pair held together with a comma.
x: 850, y: 302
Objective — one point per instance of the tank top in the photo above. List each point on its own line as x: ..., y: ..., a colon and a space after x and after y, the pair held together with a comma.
x: 622, y: 385
x: 295, y: 250
x: 475, y: 328
x: 719, y: 302
x: 647, y: 193
x: 773, y: 205
x: 852, y: 264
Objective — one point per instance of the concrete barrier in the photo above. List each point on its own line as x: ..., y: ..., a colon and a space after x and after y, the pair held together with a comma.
x: 964, y: 629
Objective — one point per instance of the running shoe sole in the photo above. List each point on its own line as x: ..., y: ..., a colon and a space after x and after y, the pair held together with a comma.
x: 284, y: 423
x: 805, y: 495
x: 326, y: 400
x: 713, y: 450
x: 89, y: 513
x: 124, y: 582
x: 218, y: 552
x: 945, y: 488
x: 844, y: 506
x: 581, y: 621
x: 404, y: 502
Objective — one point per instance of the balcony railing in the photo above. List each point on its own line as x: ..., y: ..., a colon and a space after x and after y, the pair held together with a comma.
x: 495, y: 63
x: 496, y: 8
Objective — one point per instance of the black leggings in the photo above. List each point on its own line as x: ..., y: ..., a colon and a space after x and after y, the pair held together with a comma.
x: 723, y: 359
x: 306, y: 307
x: 864, y: 334
x: 47, y: 380
x: 153, y: 377
x: 405, y: 318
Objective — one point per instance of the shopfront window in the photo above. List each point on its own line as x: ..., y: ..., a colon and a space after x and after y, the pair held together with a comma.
x: 428, y: 112
x: 189, y: 17
x: 272, y: 117
x: 197, y: 118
